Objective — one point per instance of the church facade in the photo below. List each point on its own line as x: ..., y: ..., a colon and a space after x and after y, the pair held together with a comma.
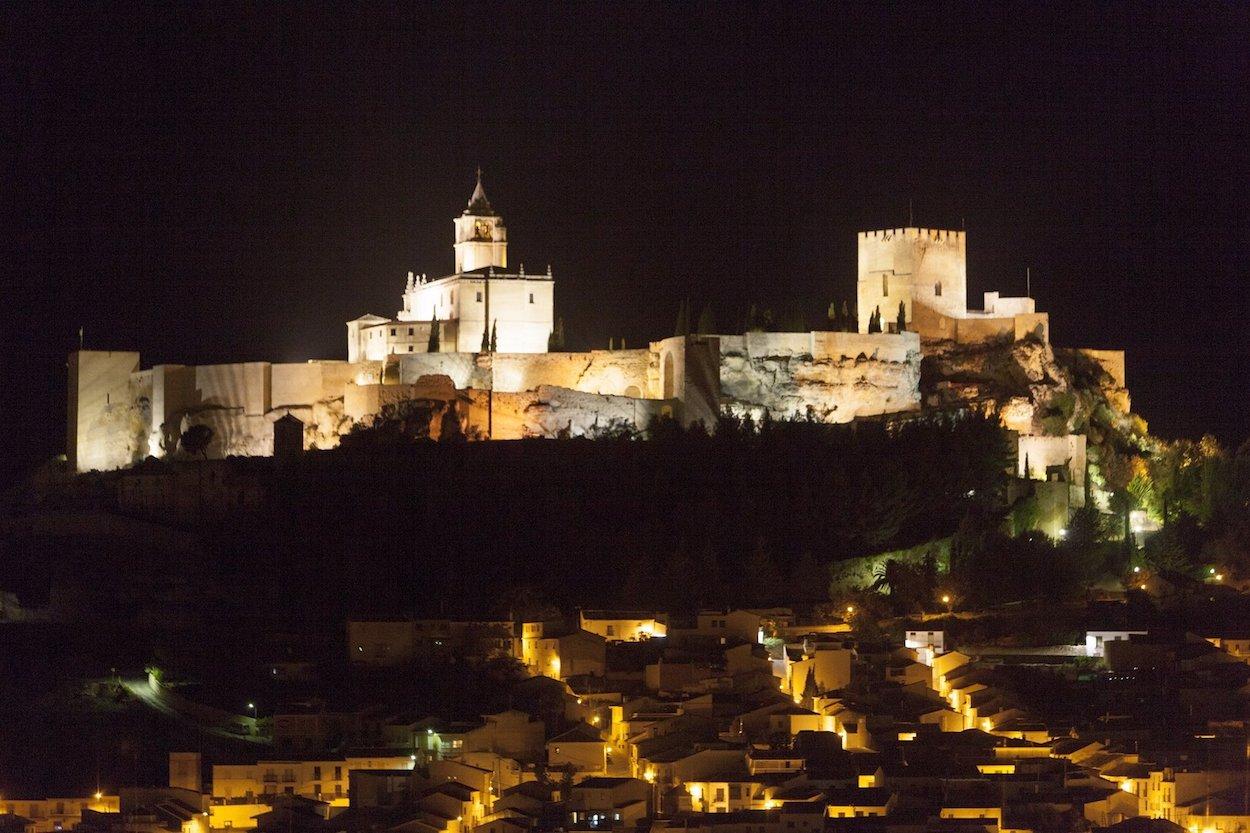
x: 480, y: 307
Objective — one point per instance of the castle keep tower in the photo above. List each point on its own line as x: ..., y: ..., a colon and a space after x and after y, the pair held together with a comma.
x: 912, y: 265
x: 481, y: 239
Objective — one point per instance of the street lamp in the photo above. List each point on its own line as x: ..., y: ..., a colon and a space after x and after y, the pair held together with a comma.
x: 946, y: 600
x: 252, y: 707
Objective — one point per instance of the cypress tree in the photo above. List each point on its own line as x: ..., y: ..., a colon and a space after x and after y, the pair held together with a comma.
x: 902, y: 317
x: 847, y: 321
x: 485, y: 338
x: 835, y: 324
x: 707, y: 323
x: 682, y: 327
x: 433, y: 345
x: 874, y: 321
x: 494, y: 336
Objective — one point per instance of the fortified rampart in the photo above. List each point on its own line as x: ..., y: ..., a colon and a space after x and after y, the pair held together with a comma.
x: 828, y: 376
x: 120, y: 415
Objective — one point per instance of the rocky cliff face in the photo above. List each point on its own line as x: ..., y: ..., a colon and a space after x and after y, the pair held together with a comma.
x: 1036, y: 388
x: 825, y: 388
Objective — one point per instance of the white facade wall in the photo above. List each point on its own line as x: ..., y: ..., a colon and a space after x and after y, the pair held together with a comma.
x: 999, y: 306
x: 1040, y: 452
x: 523, y: 308
x: 912, y: 265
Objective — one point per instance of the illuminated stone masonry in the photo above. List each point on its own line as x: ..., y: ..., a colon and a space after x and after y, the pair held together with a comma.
x: 471, y: 348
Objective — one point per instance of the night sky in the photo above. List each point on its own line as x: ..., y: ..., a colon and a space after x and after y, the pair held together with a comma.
x: 234, y: 182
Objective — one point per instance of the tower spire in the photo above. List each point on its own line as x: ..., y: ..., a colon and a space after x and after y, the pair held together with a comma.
x: 478, y: 204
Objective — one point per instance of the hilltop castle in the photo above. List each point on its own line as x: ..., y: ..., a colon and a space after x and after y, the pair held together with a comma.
x: 474, y: 344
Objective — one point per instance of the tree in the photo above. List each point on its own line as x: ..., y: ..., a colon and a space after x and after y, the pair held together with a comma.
x: 485, y: 338
x: 874, y: 321
x: 555, y: 341
x: 494, y: 336
x: 763, y: 583
x: 835, y: 323
x: 707, y: 322
x: 196, y: 439
x: 433, y: 345
x: 847, y: 321
x: 902, y: 318
x: 808, y: 580
x: 682, y: 327
x: 753, y: 324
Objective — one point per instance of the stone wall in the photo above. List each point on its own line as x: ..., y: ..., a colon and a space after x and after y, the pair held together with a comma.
x: 100, y: 409
x: 1042, y: 452
x: 832, y: 377
x: 980, y: 328
x: 554, y: 412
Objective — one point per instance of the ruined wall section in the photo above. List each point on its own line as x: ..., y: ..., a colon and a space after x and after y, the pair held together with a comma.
x: 609, y: 372
x: 831, y: 377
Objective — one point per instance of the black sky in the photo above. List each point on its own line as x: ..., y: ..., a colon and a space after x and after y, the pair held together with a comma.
x: 225, y: 182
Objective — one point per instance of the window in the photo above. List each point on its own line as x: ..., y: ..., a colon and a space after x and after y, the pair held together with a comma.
x: 937, y: 289
x: 479, y: 297
x: 410, y: 330
x: 885, y: 285
x: 317, y: 773
x: 531, y: 297
x: 611, y: 630
x: 409, y: 348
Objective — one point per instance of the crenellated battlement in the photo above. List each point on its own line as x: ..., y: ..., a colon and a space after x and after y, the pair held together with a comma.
x: 913, y: 232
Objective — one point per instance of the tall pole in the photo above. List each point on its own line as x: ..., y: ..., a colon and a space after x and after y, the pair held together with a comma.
x: 1028, y: 281
x: 490, y: 390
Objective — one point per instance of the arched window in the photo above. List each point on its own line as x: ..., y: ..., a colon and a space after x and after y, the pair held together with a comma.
x: 885, y: 285
x: 937, y: 289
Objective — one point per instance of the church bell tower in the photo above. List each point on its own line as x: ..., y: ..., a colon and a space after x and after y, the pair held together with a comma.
x: 481, y: 238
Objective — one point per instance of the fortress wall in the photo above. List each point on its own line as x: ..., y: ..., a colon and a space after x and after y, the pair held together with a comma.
x: 461, y: 367
x: 1032, y: 324
x: 835, y: 385
x: 244, y: 385
x: 1042, y: 452
x: 1001, y: 306
x: 1111, y: 361
x: 99, y: 384
x: 297, y: 384
x: 550, y: 411
x: 975, y: 329
x: 614, y: 372
x: 361, y: 401
x: 886, y: 347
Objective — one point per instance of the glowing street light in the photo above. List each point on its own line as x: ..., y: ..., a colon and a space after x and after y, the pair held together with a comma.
x: 252, y: 708
x: 850, y: 610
